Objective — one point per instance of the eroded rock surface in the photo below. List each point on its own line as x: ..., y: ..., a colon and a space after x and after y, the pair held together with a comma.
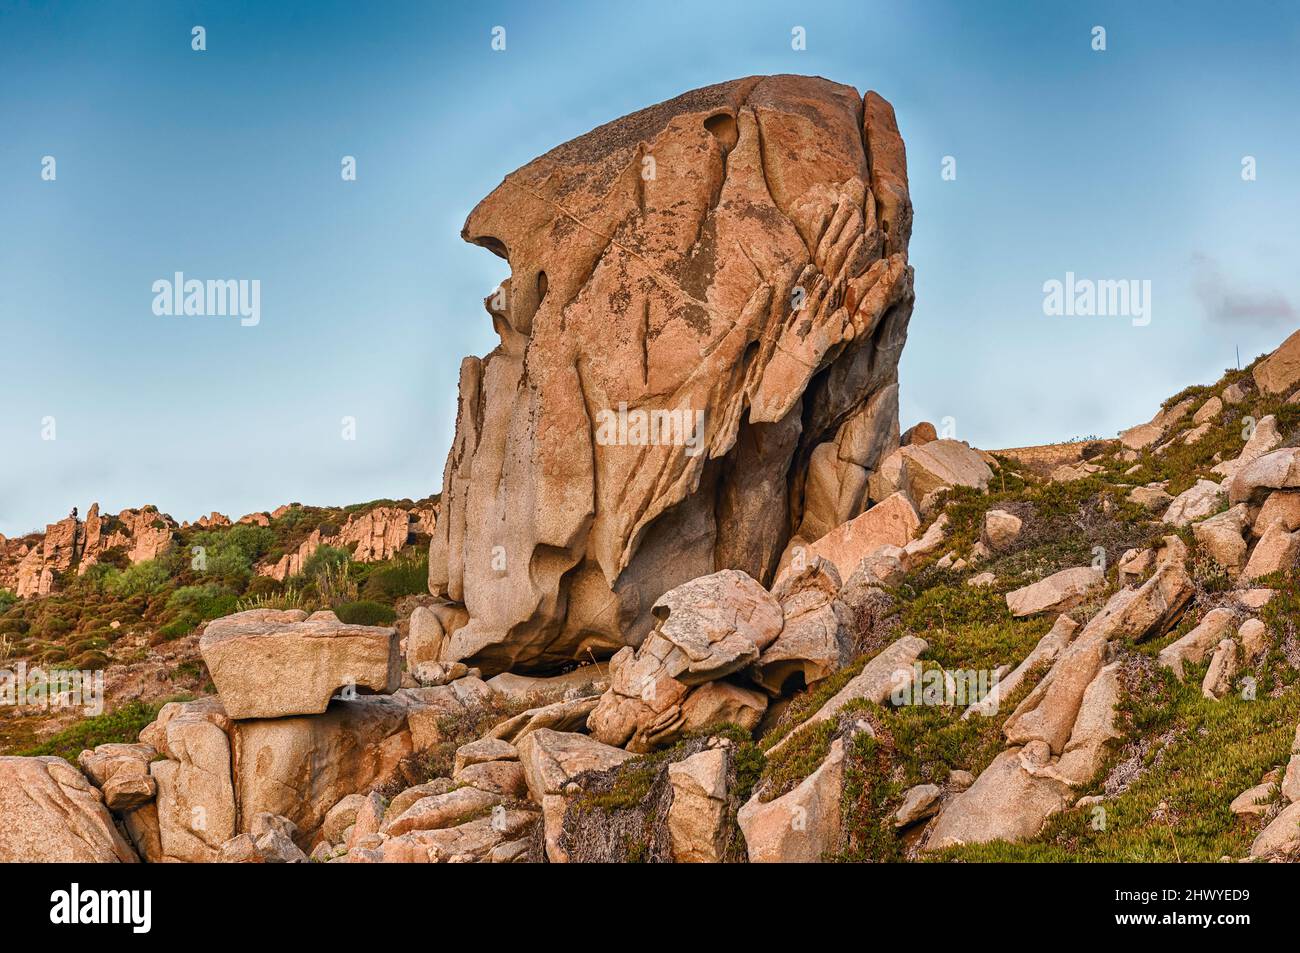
x: 698, y: 362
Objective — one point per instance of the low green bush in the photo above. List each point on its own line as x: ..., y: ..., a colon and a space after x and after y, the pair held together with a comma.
x: 365, y: 613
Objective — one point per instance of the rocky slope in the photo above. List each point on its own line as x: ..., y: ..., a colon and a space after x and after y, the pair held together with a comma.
x: 816, y: 639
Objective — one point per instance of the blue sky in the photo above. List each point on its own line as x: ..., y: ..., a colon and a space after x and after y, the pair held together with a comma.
x: 225, y: 163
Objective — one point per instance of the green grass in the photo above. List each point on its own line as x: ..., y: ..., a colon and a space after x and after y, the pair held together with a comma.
x: 122, y: 725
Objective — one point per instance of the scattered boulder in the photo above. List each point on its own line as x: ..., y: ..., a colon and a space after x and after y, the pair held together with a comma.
x: 814, y: 639
x: 1152, y: 496
x: 1196, y: 646
x: 1223, y: 669
x: 1144, y: 435
x: 196, y: 806
x: 440, y: 811
x: 429, y: 628
x: 1149, y: 609
x: 1047, y: 651
x: 697, y: 815
x: 551, y: 759
x: 569, y: 715
x: 340, y: 817
x: 1048, y: 713
x: 921, y: 433
x: 1222, y: 538
x: 889, y: 671
x: 1094, y: 730
x: 1281, y: 507
x: 1000, y: 530
x: 1254, y: 802
x: 929, y: 542
x: 1235, y: 393
x: 1280, y: 371
x: 919, y: 802
x: 121, y: 772
x: 269, y: 840
x: 1276, y: 550
x: 1069, y: 472
x: 919, y: 471
x: 1058, y: 592
x: 1281, y: 837
x: 593, y: 677
x: 1291, y: 777
x: 1276, y: 470
x: 1134, y: 564
x: 720, y: 703
x: 1254, y: 639
x: 802, y: 825
x: 1006, y: 802
x: 708, y: 629
x: 1211, y: 409
x: 1193, y: 504
x: 891, y: 522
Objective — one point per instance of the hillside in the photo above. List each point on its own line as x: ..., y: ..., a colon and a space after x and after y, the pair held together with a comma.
x: 690, y: 593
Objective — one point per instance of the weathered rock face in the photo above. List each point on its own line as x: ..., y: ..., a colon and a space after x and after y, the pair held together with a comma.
x: 30, y: 567
x: 300, y: 767
x: 49, y: 813
x: 698, y: 361
x: 372, y: 536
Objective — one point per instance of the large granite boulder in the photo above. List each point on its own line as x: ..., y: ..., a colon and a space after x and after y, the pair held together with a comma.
x: 268, y: 663
x: 698, y: 361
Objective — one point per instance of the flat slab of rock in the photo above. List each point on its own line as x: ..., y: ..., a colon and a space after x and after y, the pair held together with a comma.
x: 1058, y: 592
x: 594, y: 677
x: 1282, y: 836
x: 1047, y: 650
x: 919, y: 803
x: 272, y: 664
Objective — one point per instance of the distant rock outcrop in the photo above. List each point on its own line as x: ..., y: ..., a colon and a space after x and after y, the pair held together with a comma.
x: 30, y: 566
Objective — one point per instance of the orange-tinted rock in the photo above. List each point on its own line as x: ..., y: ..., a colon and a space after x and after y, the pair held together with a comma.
x: 737, y: 255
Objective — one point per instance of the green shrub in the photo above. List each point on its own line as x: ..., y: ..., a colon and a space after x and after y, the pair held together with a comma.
x: 141, y: 579
x: 7, y: 599
x: 291, y: 597
x: 182, y: 625
x: 365, y: 613
x: 325, y: 559
x: 122, y: 725
x: 229, y: 554
x: 405, y: 576
x: 209, y: 601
